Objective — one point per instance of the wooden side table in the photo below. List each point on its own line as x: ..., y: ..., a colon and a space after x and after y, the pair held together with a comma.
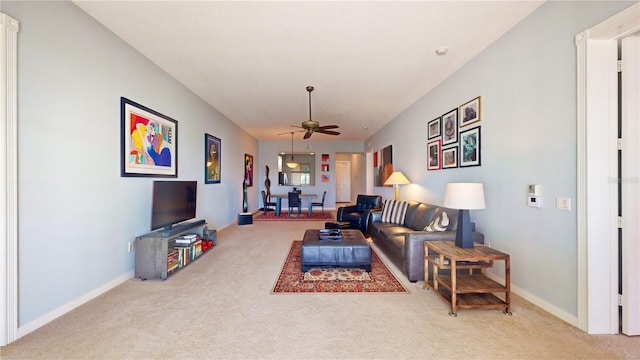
x: 467, y: 291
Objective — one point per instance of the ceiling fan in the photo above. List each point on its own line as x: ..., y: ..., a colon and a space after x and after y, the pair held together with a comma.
x: 311, y: 126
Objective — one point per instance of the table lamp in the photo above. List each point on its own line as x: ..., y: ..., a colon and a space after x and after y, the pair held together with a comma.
x: 464, y: 197
x: 397, y: 178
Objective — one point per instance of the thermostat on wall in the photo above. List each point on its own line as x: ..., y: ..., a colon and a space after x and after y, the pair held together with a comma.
x: 534, y: 190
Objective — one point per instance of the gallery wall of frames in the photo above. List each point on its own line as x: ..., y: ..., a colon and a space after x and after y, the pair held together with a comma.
x: 453, y: 139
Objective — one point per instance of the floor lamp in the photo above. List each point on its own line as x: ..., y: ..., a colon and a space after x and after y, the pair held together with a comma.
x: 397, y: 178
x: 464, y: 197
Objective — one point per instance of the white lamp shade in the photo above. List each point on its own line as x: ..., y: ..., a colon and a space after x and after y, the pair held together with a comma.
x: 467, y: 196
x: 397, y: 178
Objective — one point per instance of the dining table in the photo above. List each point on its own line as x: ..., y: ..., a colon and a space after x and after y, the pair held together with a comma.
x: 279, y: 198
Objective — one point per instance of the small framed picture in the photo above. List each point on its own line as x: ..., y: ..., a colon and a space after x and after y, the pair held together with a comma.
x: 450, y: 126
x: 470, y: 146
x: 248, y: 169
x: 434, y: 162
x: 450, y: 158
x: 470, y: 112
x: 212, y: 156
x: 434, y: 128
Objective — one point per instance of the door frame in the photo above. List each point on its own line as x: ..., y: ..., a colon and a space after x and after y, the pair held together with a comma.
x: 597, y: 194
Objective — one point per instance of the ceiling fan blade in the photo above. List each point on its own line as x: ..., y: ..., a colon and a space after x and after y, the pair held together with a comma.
x: 307, y: 134
x: 289, y: 132
x: 325, y: 127
x: 328, y: 132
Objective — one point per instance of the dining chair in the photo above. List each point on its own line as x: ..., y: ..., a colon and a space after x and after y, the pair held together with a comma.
x: 266, y: 204
x: 324, y: 194
x: 294, y: 201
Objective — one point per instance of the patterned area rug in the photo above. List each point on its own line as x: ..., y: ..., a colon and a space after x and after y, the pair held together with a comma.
x: 293, y: 280
x: 271, y: 216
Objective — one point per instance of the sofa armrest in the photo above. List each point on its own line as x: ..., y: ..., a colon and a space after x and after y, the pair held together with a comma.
x: 414, y: 249
x: 376, y: 215
x: 345, y: 210
x: 367, y: 217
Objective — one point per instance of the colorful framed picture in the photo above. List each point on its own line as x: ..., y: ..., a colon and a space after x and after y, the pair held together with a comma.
x: 212, y: 159
x: 450, y: 158
x: 434, y: 129
x: 470, y: 112
x: 450, y: 127
x: 148, y: 142
x: 383, y: 166
x: 470, y: 147
x: 248, y: 169
x: 434, y: 161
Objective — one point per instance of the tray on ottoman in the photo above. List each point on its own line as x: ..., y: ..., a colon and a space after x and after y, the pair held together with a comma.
x: 352, y: 250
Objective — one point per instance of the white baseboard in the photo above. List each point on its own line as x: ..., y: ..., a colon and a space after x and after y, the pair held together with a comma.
x: 47, y: 318
x: 539, y: 302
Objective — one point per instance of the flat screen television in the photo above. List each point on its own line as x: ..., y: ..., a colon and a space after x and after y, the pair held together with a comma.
x: 172, y: 203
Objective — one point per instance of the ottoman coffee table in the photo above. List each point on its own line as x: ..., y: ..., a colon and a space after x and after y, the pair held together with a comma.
x: 352, y: 251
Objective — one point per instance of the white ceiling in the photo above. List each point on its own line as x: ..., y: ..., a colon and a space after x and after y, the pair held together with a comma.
x: 368, y: 60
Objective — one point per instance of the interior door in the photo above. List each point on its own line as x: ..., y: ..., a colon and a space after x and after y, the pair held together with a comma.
x: 343, y: 181
x: 630, y: 178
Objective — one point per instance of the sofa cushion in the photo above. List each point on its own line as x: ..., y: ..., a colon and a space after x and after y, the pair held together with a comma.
x: 439, y: 223
x: 394, y: 211
x: 396, y: 244
x: 421, y: 216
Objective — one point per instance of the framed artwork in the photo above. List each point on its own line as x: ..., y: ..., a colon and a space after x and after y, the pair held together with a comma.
x: 148, y: 142
x: 212, y: 159
x: 434, y: 161
x: 470, y: 146
x: 450, y: 158
x: 450, y: 126
x: 434, y: 128
x: 470, y: 112
x: 248, y: 169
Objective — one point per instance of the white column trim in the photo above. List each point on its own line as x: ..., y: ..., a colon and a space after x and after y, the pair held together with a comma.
x: 581, y: 181
x: 9, y: 28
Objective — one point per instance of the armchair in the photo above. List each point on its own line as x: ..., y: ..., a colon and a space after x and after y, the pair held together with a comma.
x: 358, y: 215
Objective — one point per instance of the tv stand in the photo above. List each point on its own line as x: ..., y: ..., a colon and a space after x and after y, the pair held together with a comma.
x: 156, y: 251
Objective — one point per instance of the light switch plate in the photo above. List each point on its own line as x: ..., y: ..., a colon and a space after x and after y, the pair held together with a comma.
x: 563, y: 203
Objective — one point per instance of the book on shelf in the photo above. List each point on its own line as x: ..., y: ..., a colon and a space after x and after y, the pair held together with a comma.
x: 445, y: 262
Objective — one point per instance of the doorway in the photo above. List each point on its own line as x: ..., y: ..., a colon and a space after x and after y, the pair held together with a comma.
x: 597, y: 182
x: 343, y: 181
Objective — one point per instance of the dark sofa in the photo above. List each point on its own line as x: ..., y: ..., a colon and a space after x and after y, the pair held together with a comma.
x: 404, y: 243
x: 358, y: 215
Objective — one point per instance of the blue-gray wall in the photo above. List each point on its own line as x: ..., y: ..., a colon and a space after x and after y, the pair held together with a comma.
x: 527, y: 80
x: 76, y: 214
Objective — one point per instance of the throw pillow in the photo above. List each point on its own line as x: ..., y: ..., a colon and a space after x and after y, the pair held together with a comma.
x: 394, y: 211
x: 439, y: 223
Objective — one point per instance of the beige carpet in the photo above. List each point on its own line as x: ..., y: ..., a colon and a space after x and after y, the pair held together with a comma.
x: 220, y: 307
